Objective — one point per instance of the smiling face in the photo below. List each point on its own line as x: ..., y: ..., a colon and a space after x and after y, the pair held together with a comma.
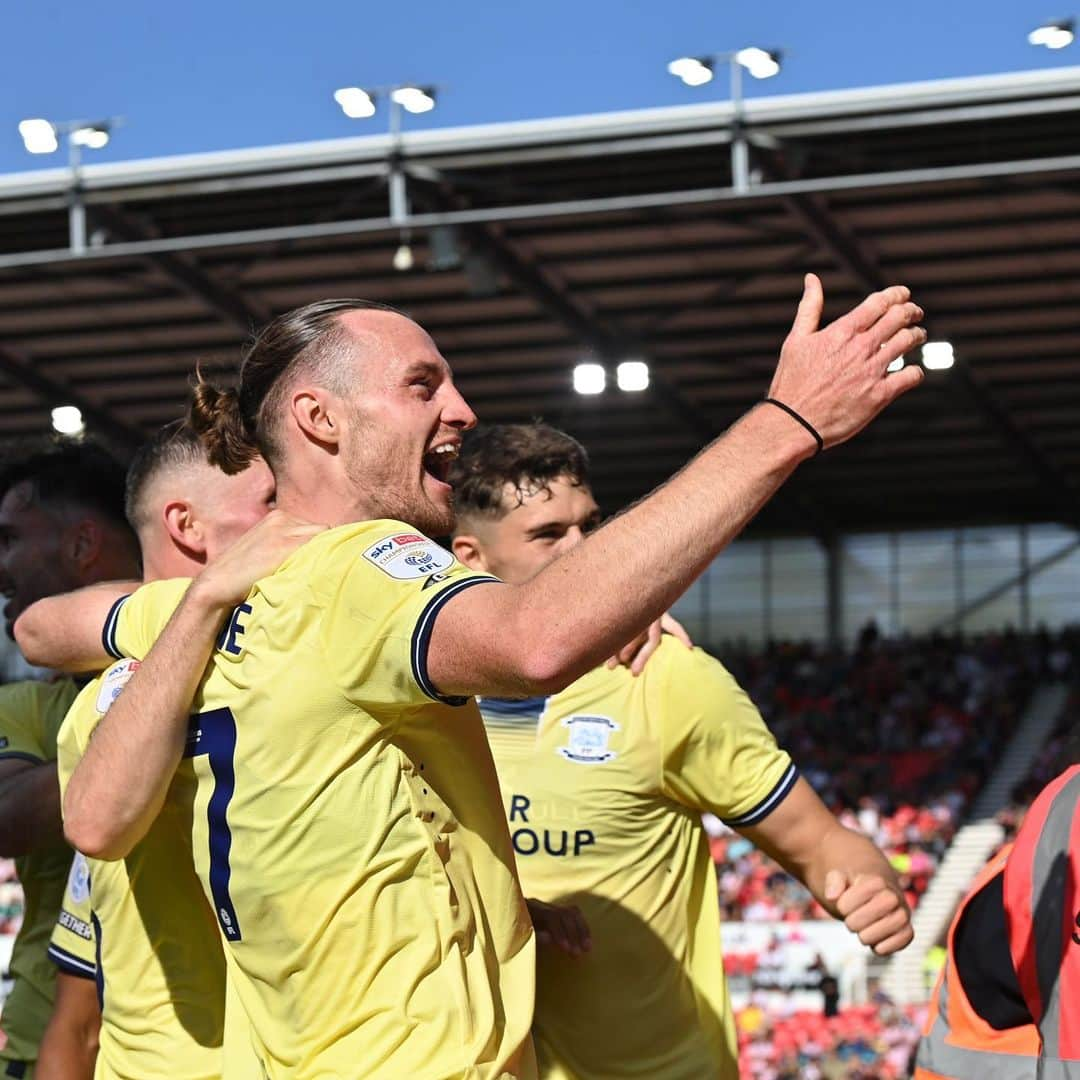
x: 406, y: 418
x: 537, y: 526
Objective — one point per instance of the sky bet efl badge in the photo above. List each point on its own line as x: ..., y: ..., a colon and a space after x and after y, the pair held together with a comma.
x: 588, y: 742
x: 113, y: 681
x: 407, y: 555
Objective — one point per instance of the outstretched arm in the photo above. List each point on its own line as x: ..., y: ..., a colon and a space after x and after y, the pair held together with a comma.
x: 844, y: 870
x: 596, y: 597
x: 63, y: 632
x: 119, y: 786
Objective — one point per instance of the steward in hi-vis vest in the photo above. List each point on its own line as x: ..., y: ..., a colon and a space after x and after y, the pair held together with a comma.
x: 1007, y: 1003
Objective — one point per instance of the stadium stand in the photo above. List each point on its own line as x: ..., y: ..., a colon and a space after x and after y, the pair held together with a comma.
x: 896, y: 736
x: 965, y: 188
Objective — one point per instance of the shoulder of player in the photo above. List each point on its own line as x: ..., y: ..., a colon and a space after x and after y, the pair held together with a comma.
x: 360, y: 541
x: 673, y: 660
x: 86, y: 710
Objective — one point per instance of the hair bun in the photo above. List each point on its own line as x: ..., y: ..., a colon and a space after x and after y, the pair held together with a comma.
x: 214, y: 414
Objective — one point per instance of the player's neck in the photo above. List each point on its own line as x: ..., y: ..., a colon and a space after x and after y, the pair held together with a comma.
x: 160, y: 563
x: 323, y: 503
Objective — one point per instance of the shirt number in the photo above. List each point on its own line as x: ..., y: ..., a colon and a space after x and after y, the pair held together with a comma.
x: 213, y: 733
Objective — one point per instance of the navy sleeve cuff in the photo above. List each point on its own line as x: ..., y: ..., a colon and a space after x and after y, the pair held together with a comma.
x: 70, y: 964
x: 421, y: 639
x: 767, y: 805
x: 20, y: 755
x: 108, y: 631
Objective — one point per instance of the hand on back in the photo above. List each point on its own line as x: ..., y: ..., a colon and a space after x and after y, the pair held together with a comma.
x: 258, y: 553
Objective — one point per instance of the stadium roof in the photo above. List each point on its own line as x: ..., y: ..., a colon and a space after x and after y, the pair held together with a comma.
x: 540, y: 243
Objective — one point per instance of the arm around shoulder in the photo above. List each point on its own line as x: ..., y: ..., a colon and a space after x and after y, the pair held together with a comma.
x: 64, y: 632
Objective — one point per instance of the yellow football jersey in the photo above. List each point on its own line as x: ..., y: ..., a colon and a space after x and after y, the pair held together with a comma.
x: 160, y: 964
x: 73, y: 946
x: 356, y: 853
x: 30, y: 717
x: 604, y: 786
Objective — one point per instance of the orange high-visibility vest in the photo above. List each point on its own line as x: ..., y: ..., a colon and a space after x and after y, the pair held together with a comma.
x: 1041, y: 889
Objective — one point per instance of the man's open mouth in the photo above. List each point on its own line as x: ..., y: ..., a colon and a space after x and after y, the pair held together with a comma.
x: 440, y: 460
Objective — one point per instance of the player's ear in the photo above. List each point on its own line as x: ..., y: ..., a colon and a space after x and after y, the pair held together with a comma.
x: 84, y: 544
x: 318, y: 414
x: 468, y: 550
x: 184, y: 528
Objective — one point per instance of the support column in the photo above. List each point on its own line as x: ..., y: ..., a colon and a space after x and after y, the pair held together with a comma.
x: 834, y: 592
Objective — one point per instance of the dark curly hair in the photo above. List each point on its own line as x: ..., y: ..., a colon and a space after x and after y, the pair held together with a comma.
x: 525, y: 457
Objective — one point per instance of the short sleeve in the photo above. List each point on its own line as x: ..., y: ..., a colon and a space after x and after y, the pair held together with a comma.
x: 382, y: 602
x: 22, y: 729
x: 85, y: 714
x: 72, y: 947
x: 135, y: 622
x: 717, y: 754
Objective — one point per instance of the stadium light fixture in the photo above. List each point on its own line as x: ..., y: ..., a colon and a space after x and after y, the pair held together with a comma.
x: 761, y: 64
x: 632, y: 376
x: 1054, y: 35
x: 41, y: 136
x: 692, y: 70
x: 355, y: 103
x: 93, y: 136
x: 361, y: 103
x: 68, y: 420
x: 414, y: 99
x: 38, y: 136
x: 938, y: 356
x: 590, y: 378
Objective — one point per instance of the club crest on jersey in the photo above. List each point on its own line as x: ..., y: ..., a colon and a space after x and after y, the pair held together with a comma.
x: 113, y: 681
x: 588, y: 739
x: 406, y: 556
x: 79, y: 879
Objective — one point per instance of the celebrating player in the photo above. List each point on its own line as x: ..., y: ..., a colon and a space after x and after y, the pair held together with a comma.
x: 61, y: 526
x: 148, y: 934
x: 604, y: 785
x: 358, y: 852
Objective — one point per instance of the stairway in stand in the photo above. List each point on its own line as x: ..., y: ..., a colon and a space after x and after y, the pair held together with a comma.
x: 973, y: 844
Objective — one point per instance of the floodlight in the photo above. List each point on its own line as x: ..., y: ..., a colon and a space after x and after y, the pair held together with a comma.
x: 937, y: 356
x: 38, y: 136
x: 896, y: 365
x: 1054, y: 35
x: 632, y: 375
x: 692, y: 70
x: 761, y: 63
x: 403, y: 258
x: 355, y: 103
x: 93, y: 136
x: 414, y: 99
x: 67, y: 420
x: 590, y: 378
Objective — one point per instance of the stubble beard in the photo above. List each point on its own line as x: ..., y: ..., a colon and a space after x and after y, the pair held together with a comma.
x: 385, y: 500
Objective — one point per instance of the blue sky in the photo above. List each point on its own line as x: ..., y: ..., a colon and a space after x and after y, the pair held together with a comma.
x: 200, y: 76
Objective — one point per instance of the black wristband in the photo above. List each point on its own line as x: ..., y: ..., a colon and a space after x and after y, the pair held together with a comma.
x: 805, y: 423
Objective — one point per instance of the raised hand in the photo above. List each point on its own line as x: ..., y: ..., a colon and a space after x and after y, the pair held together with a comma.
x: 836, y: 377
